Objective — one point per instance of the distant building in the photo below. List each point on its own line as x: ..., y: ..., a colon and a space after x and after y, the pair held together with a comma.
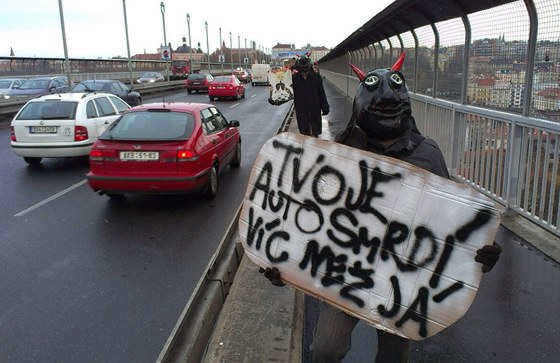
x: 280, y: 52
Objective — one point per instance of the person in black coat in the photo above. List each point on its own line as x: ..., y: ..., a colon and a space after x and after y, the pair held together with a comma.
x: 310, y: 99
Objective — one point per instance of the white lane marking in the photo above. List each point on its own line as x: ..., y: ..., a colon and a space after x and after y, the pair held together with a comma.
x: 50, y: 199
x: 233, y: 106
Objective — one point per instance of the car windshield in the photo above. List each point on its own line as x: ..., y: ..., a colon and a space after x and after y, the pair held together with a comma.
x: 151, y: 125
x: 35, y: 83
x: 48, y: 110
x: 222, y: 79
x: 149, y: 75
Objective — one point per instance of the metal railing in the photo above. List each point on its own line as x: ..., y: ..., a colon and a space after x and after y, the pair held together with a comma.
x: 492, y: 103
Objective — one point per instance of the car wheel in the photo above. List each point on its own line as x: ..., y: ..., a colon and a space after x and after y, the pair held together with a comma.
x: 243, y: 94
x: 32, y: 161
x: 211, y: 98
x: 212, y: 186
x: 139, y: 102
x: 236, y: 162
x: 236, y: 96
x: 189, y: 91
x: 252, y: 84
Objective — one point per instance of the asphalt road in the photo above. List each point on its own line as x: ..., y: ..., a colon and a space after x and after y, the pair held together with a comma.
x: 88, y: 280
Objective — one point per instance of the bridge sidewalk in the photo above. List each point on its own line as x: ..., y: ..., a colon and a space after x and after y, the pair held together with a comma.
x: 260, y: 322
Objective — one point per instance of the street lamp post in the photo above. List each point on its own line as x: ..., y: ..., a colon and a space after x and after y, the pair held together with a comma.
x: 207, y: 46
x: 221, y: 54
x: 246, y: 51
x: 66, y: 60
x: 162, y: 8
x: 190, y: 46
x: 127, y: 43
x: 230, y: 52
x: 239, y: 49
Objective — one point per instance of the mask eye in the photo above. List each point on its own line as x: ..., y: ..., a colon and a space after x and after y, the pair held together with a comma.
x: 371, y: 80
x: 396, y: 79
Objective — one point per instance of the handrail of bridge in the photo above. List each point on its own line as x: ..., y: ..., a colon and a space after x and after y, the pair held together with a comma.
x: 483, y: 84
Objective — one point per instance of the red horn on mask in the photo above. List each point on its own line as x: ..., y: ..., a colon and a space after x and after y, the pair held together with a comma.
x: 398, y: 64
x: 361, y: 75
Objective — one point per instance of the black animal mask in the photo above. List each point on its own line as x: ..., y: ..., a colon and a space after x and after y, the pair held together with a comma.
x: 382, y: 106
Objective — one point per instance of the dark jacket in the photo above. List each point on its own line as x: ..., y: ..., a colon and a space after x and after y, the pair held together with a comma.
x: 412, y: 147
x: 310, y: 100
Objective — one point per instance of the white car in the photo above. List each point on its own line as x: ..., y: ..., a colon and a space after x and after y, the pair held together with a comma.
x: 63, y: 125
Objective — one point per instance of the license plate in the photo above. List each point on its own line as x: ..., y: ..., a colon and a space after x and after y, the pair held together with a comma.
x: 220, y: 87
x: 139, y: 155
x: 43, y: 129
x: 196, y: 83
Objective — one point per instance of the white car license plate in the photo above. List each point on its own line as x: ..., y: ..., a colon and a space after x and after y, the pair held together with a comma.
x: 43, y: 129
x: 139, y: 155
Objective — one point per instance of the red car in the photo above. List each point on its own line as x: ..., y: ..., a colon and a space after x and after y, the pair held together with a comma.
x: 165, y: 148
x: 226, y: 87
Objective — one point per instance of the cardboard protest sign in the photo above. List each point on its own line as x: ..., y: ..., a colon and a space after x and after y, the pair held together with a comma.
x: 381, y: 239
x: 281, y: 88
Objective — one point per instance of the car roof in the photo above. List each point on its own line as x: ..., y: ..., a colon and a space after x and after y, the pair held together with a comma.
x: 76, y: 96
x: 173, y: 106
x: 98, y: 81
x: 46, y: 77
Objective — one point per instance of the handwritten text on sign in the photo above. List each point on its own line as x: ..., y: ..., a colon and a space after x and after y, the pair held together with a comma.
x: 379, y: 238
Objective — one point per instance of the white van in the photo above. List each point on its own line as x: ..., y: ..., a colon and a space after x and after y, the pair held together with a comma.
x: 259, y: 74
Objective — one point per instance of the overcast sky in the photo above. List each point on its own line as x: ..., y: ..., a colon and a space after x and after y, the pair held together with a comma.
x: 32, y: 28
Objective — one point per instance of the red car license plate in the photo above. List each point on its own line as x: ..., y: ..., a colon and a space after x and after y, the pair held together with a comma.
x: 139, y: 155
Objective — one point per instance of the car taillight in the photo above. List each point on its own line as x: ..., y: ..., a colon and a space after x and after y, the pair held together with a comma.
x: 230, y: 86
x: 186, y: 155
x: 80, y: 133
x: 102, y: 155
x: 12, y: 133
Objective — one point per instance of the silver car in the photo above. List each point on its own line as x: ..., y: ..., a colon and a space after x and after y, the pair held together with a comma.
x: 8, y: 84
x: 151, y: 77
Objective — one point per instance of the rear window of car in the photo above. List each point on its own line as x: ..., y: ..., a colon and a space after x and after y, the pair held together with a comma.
x: 196, y: 77
x: 48, y: 110
x: 92, y: 86
x: 151, y: 125
x: 222, y: 79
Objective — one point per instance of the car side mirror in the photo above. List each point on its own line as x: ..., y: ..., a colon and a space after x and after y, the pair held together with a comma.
x: 234, y: 123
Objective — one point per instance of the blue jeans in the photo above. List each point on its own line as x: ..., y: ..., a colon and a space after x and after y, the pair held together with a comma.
x: 333, y: 334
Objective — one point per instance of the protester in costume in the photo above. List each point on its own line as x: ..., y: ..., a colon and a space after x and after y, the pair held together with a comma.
x: 381, y: 122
